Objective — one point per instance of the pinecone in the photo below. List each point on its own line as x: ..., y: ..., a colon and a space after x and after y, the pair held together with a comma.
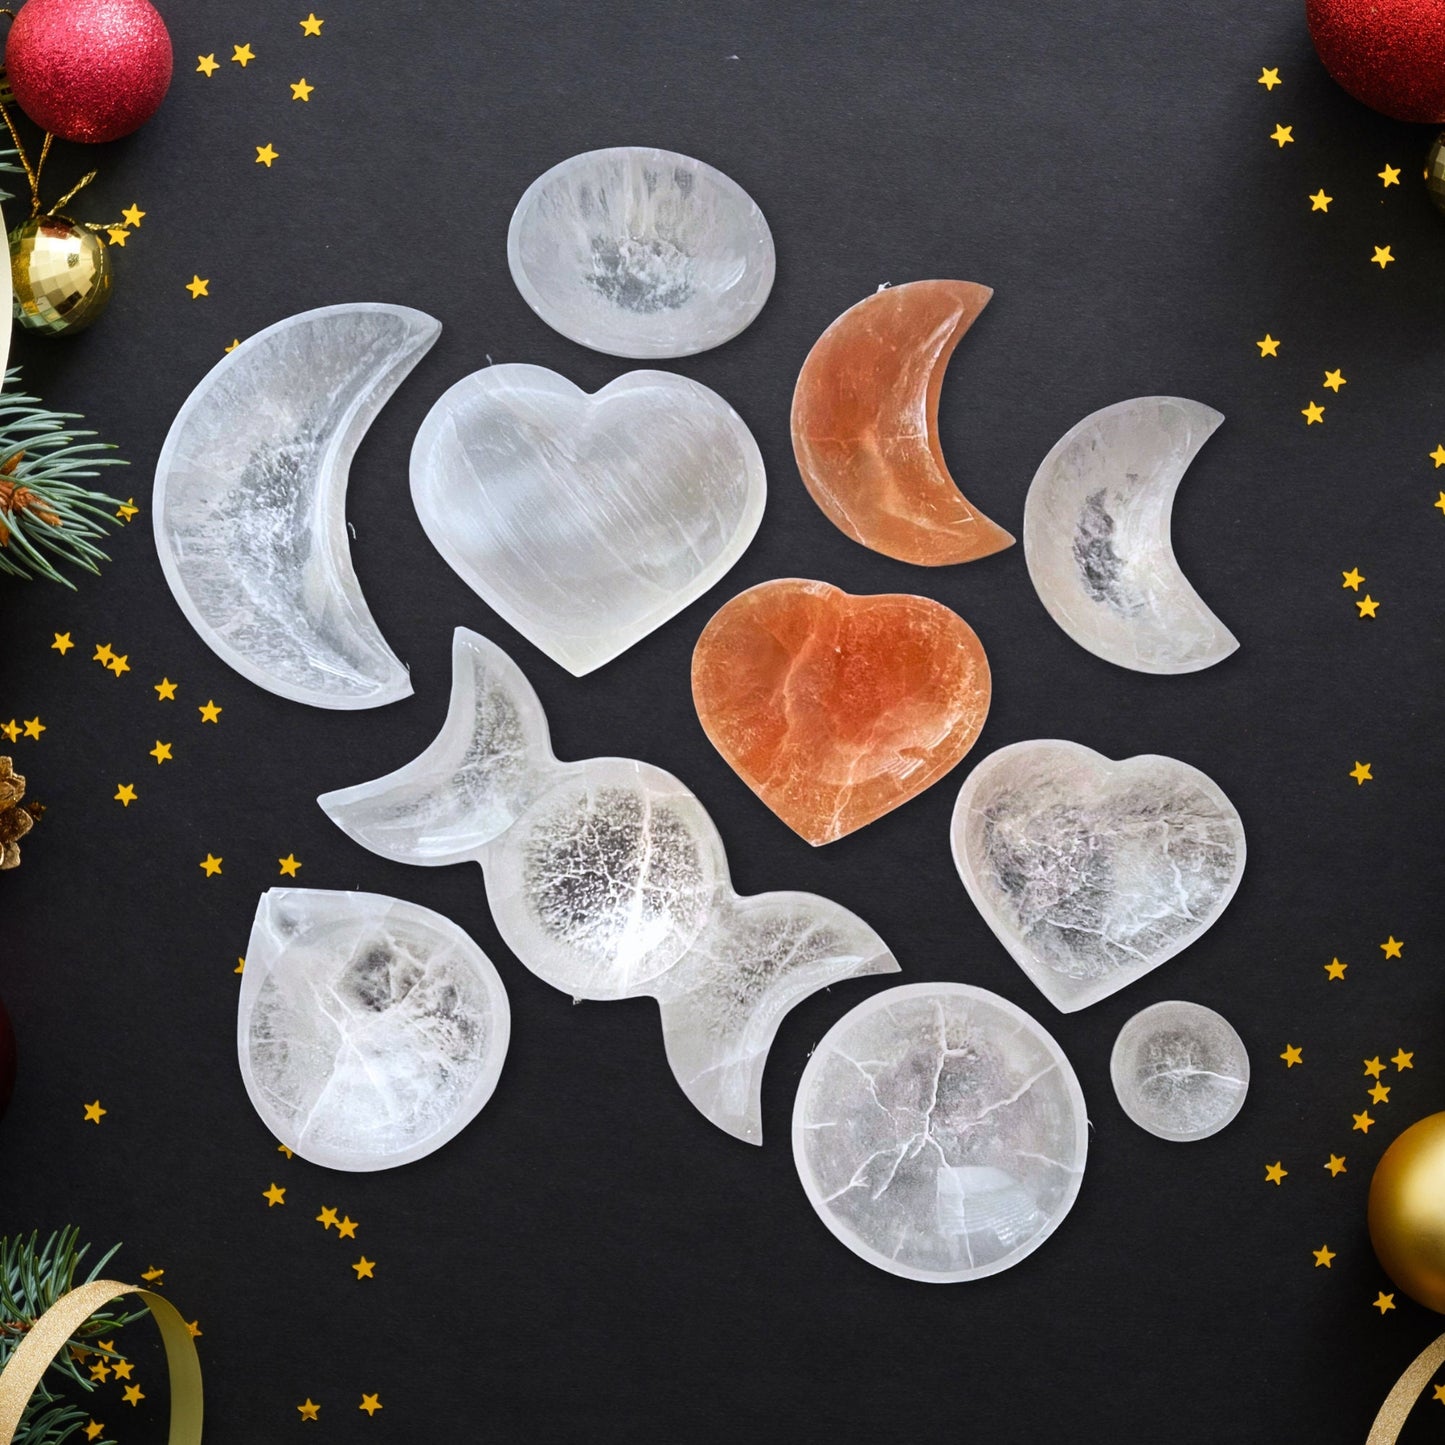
x: 15, y: 820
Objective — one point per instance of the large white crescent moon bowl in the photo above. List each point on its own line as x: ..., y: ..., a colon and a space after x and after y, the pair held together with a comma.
x: 1097, y: 543
x: 250, y: 502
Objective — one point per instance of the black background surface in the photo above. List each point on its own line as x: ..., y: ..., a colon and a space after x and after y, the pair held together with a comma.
x: 589, y: 1259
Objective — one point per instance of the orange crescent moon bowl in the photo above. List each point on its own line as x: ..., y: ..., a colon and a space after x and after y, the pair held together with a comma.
x: 865, y: 425
x: 836, y: 709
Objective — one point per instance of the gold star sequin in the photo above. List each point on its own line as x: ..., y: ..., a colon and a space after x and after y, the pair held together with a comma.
x: 1390, y: 175
x: 1362, y: 1122
x: 311, y: 25
x: 125, y: 794
x: 1367, y: 605
x: 94, y: 1430
x: 1269, y: 346
x: 198, y: 287
x: 365, y: 1268
x: 211, y: 865
x: 1336, y: 1166
x: 1335, y: 380
x: 118, y: 235
x: 280, y: 1148
x: 103, y: 654
x: 310, y: 1410
x: 241, y: 968
x: 234, y: 344
x: 370, y: 1403
x: 1275, y: 1173
x: 62, y: 643
x: 119, y: 664
x: 1353, y: 578
x: 1334, y: 969
x: 346, y: 1228
x: 1440, y: 1393
x: 1319, y: 201
x: 209, y: 712
x: 327, y: 1217
x: 1374, y: 1068
x: 1392, y: 947
x: 33, y: 728
x: 1382, y: 257
x: 1361, y: 773
x: 100, y: 1371
x: 1439, y: 502
x: 127, y: 510
x: 94, y: 1113
x: 124, y: 1369
x: 1402, y: 1060
x: 1379, y: 1093
x: 133, y: 216
x: 193, y: 1329
x: 1384, y: 1302
x: 1282, y: 135
x: 290, y: 865
x: 208, y: 65
x: 1269, y: 77
x: 11, y: 730
x: 300, y: 90
x: 161, y: 752
x: 266, y: 154
x: 152, y: 1276
x: 166, y: 690
x: 1293, y: 1054
x: 1313, y: 413
x: 274, y: 1195
x: 1324, y: 1256
x: 243, y: 55
x: 1438, y: 455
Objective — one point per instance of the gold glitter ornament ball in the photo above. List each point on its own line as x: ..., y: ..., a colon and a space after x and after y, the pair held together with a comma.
x: 61, y: 274
x: 1407, y: 1212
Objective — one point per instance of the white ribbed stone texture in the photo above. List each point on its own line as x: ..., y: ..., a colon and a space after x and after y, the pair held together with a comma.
x: 250, y: 502
x: 586, y: 521
x: 940, y: 1132
x: 640, y: 252
x: 1093, y: 872
x: 1180, y: 1070
x: 608, y: 880
x: 1097, y: 536
x: 370, y: 1031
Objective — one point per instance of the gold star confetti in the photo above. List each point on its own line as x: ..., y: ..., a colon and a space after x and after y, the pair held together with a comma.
x: 243, y: 55
x: 133, y: 216
x: 370, y: 1403
x: 1374, y: 1068
x: 1438, y: 455
x: 33, y: 728
x: 1313, y: 413
x: 212, y: 865
x: 300, y: 90
x: 1335, y: 969
x: 1384, y: 1302
x: 124, y: 1369
x: 364, y: 1268
x: 1402, y: 1060
x: 241, y: 968
x: 266, y: 154
x: 327, y: 1217
x: 346, y: 1228
x: 152, y: 1275
x: 11, y: 730
x: 1382, y: 257
x: 1319, y: 201
x: 94, y: 1113
x: 1282, y: 135
x: 1379, y: 1093
x: 1275, y: 1173
x: 274, y: 1195
x: 1361, y: 773
x: 290, y: 865
x: 311, y: 25
x: 161, y: 752
x: 310, y: 1410
x: 1392, y: 947
x: 1353, y: 578
x: 103, y: 654
x: 119, y: 664
x: 94, y: 1430
x: 280, y: 1148
x: 1269, y: 77
x: 125, y: 794
x: 1335, y: 380
x: 118, y: 235
x: 1440, y: 1393
x: 1362, y: 1122
x: 1269, y: 346
x: 209, y: 712
x: 208, y: 65
x: 1390, y: 175
x: 198, y: 287
x: 1367, y: 605
x: 233, y: 345
x: 166, y: 690
x: 1336, y: 1166
x: 1292, y: 1055
x: 62, y: 643
x: 100, y: 1371
x: 1324, y: 1256
x: 1439, y: 502
x: 127, y: 510
x: 193, y: 1329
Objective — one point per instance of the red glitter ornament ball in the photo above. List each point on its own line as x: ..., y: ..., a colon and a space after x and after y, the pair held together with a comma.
x: 7, y: 1060
x: 1388, y: 53
x: 89, y: 70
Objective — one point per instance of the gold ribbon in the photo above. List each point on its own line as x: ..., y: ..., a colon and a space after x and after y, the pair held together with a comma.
x: 1408, y: 1388
x: 52, y: 1331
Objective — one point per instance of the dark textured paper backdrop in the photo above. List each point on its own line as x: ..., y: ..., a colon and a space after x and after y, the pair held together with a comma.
x: 590, y: 1260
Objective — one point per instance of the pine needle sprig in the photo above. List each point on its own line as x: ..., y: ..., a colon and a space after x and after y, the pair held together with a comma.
x: 47, y: 514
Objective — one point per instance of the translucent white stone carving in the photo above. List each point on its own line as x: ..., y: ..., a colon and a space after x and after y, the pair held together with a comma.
x: 250, y: 502
x: 940, y: 1132
x: 1097, y: 536
x: 586, y: 521
x: 608, y: 879
x: 370, y: 1031
x: 1180, y: 1070
x: 641, y: 252
x: 1092, y: 873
